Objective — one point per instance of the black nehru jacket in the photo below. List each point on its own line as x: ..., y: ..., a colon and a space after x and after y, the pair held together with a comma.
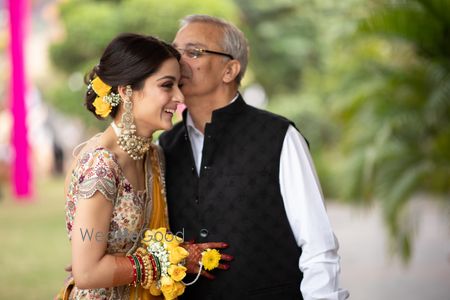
x: 235, y: 199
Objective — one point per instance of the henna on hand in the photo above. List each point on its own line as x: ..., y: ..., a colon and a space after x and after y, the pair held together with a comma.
x: 195, y: 255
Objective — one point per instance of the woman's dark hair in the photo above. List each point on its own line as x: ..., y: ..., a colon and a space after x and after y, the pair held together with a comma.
x: 128, y: 60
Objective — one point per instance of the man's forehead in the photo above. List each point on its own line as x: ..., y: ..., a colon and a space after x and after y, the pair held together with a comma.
x: 197, y: 35
x: 190, y: 45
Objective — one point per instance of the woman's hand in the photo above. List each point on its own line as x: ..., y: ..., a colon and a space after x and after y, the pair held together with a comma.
x: 195, y: 255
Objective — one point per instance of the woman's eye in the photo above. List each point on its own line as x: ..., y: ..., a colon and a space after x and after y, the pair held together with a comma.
x: 168, y: 85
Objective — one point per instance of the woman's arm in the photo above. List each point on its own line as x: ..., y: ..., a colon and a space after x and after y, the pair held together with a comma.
x: 92, y: 267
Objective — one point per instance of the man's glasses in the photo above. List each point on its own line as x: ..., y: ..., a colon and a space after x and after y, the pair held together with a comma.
x: 196, y: 52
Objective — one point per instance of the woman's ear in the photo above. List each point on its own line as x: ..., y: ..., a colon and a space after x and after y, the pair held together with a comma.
x: 231, y: 71
x: 122, y: 90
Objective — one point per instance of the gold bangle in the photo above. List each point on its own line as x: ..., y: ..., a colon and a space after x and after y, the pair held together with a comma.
x: 149, y: 272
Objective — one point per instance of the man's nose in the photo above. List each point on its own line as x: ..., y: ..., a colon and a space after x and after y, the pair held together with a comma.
x: 183, y: 65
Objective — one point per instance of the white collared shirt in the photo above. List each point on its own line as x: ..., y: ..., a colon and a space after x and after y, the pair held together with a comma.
x: 305, y: 209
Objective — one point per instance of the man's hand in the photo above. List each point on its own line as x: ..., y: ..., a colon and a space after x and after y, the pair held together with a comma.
x: 195, y: 255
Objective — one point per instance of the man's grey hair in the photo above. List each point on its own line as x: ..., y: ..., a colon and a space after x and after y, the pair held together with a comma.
x: 233, y: 42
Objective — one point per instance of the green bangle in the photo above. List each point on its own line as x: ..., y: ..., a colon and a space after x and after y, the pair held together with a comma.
x: 158, y: 265
x: 138, y: 268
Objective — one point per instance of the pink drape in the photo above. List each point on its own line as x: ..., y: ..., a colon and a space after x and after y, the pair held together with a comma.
x: 21, y: 173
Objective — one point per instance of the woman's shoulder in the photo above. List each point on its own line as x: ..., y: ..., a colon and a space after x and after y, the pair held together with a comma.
x: 97, y: 155
x: 97, y: 170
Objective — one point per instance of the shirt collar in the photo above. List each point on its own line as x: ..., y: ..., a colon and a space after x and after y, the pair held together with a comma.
x: 190, y: 123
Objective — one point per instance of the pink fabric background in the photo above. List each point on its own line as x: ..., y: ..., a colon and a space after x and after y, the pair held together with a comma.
x: 21, y: 173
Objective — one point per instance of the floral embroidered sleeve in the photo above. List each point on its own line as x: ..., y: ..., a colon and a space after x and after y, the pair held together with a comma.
x: 98, y: 172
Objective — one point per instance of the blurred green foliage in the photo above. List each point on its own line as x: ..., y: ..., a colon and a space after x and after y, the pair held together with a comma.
x: 283, y: 40
x: 366, y: 81
x: 404, y: 145
x: 376, y: 104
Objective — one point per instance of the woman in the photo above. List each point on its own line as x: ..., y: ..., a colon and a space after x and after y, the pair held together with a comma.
x: 115, y: 188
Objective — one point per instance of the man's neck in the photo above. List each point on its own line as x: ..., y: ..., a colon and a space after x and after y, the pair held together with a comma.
x: 201, y: 108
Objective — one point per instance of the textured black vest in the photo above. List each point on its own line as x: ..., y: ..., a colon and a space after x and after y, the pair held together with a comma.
x: 236, y: 199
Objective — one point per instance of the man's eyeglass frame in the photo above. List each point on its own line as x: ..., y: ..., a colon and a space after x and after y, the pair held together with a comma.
x: 197, y: 52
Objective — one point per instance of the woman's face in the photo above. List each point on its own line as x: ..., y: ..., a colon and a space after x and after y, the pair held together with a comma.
x: 155, y: 105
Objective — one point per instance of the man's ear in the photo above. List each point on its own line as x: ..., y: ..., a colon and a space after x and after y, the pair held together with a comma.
x: 232, y: 70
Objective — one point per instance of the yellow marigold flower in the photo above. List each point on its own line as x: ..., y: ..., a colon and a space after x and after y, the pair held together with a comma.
x: 168, y: 288
x: 171, y: 289
x: 172, y: 241
x: 102, y: 108
x: 159, y: 234
x: 177, y: 254
x: 165, y: 246
x: 155, y: 235
x: 99, y: 87
x: 210, y: 259
x: 180, y: 288
x: 177, y: 273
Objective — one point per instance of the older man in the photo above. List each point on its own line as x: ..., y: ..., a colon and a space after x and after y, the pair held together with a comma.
x: 245, y: 176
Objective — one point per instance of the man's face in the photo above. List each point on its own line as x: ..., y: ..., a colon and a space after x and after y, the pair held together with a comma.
x: 200, y: 76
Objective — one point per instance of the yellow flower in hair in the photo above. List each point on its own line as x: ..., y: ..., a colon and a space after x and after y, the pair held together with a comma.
x: 210, y: 259
x: 102, y: 108
x: 99, y: 87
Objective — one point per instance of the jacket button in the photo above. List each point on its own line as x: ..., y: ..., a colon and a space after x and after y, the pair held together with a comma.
x: 196, y: 200
x: 204, y: 232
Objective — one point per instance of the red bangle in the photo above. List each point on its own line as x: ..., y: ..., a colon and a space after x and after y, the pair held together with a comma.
x: 142, y: 267
x: 133, y: 264
x: 155, y: 271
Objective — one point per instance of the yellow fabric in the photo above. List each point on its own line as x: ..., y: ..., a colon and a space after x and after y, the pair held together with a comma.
x: 143, y: 294
x: 158, y: 217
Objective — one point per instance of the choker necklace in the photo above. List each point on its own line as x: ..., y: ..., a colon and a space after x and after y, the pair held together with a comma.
x: 135, y: 146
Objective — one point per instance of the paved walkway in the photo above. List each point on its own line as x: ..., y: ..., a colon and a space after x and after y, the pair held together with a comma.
x: 369, y: 272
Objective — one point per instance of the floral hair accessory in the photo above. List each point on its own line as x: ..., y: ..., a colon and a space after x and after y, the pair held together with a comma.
x: 99, y: 87
x: 106, y: 99
x: 102, y: 108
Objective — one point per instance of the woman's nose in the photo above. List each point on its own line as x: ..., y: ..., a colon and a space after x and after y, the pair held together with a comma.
x: 178, y: 97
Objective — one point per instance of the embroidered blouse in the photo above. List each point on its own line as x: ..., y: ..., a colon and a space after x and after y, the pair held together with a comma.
x: 98, y: 170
